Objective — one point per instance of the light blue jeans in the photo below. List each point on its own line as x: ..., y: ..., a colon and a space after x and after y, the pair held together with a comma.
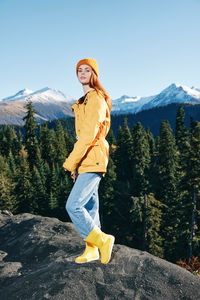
x: 83, y: 202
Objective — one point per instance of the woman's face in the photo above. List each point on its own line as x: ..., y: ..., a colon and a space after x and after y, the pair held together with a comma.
x: 84, y: 74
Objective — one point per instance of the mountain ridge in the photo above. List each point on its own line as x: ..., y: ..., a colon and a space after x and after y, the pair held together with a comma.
x: 50, y: 103
x: 174, y: 93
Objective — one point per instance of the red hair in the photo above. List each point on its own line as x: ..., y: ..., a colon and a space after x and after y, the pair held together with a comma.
x: 95, y: 84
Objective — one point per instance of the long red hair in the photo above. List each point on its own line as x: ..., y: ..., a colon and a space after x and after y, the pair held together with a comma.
x: 95, y: 84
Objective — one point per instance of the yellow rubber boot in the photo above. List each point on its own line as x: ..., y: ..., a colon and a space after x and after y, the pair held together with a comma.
x: 91, y: 253
x: 103, y: 241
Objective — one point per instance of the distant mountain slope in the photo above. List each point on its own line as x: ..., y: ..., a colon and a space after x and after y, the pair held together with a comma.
x: 152, y: 117
x: 49, y: 104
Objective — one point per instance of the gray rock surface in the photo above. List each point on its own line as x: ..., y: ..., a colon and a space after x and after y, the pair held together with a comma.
x: 37, y: 262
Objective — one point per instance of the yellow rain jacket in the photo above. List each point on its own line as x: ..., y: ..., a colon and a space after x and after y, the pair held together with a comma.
x: 92, y: 123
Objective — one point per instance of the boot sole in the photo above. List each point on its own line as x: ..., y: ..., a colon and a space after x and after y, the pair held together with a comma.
x: 113, y: 241
x: 84, y: 262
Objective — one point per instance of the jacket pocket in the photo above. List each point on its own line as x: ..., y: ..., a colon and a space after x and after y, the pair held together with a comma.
x: 90, y: 158
x: 100, y: 156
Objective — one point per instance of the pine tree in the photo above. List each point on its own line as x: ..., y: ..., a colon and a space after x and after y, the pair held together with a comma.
x: 167, y: 188
x: 46, y: 146
x: 22, y: 188
x: 153, y: 151
x: 111, y: 138
x: 11, y: 162
x: 3, y: 145
x: 31, y: 142
x: 70, y: 140
x: 140, y: 161
x: 151, y: 140
x: 118, y: 159
x: 145, y: 221
x: 193, y: 188
x: 9, y: 136
x: 180, y: 130
x: 52, y: 148
x: 123, y: 155
x: 123, y: 160
x: 194, y: 166
x: 107, y: 198
x: 61, y: 186
x: 182, y: 139
x: 60, y: 145
x: 53, y: 182
x: 7, y: 198
x: 184, y: 206
x: 53, y: 204
x: 17, y: 144
x: 41, y: 167
x: 38, y: 193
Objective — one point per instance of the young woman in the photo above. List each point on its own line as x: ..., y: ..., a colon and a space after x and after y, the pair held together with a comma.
x: 88, y: 162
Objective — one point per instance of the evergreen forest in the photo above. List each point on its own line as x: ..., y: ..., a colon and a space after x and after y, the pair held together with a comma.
x: 149, y: 198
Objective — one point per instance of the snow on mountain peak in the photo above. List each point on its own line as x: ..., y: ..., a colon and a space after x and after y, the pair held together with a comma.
x: 50, y: 94
x: 43, y: 95
x: 19, y: 95
x: 195, y: 88
x: 180, y: 91
x: 174, y: 93
x: 126, y: 98
x: 25, y: 92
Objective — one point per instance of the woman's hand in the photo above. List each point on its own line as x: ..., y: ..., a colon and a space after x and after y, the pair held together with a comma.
x: 74, y: 175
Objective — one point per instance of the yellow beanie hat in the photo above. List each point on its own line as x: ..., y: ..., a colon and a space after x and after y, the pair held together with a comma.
x: 90, y: 62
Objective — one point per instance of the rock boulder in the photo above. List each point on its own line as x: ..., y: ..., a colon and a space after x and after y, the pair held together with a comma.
x: 37, y: 262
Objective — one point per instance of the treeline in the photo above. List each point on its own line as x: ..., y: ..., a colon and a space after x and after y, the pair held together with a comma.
x: 150, y: 118
x: 149, y: 198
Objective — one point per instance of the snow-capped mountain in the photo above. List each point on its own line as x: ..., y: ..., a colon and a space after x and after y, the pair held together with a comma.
x: 175, y: 93
x: 52, y: 104
x: 43, y: 96
x: 49, y: 104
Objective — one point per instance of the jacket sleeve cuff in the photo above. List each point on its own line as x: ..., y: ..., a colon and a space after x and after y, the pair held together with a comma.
x: 68, y: 166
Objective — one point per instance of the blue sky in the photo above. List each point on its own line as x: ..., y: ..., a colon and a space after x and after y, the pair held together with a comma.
x: 141, y: 46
